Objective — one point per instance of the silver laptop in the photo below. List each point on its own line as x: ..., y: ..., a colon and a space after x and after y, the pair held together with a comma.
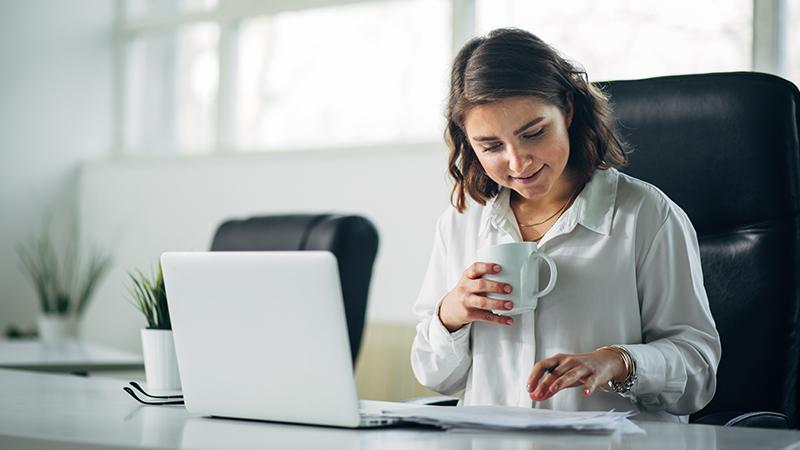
x: 263, y: 335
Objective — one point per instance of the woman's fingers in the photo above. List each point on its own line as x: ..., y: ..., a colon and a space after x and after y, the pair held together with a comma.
x: 541, y: 368
x: 481, y: 315
x: 602, y: 375
x: 570, y: 379
x: 484, y: 286
x: 465, y: 305
x: 565, y: 366
x: 592, y: 383
x: 480, y: 307
x: 479, y: 269
x: 481, y: 302
x: 591, y: 370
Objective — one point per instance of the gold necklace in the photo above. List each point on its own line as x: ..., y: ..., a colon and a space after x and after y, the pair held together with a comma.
x: 536, y: 239
x: 560, y: 210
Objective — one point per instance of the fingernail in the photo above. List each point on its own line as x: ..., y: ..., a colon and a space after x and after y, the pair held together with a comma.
x: 554, y: 388
x: 507, y: 289
x: 496, y: 268
x: 509, y: 321
x: 509, y: 305
x: 587, y: 392
x: 528, y: 387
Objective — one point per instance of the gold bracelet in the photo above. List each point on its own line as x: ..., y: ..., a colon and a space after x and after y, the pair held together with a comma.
x: 626, y: 385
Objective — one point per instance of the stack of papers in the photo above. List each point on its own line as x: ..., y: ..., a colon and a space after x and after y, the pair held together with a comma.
x: 516, y: 418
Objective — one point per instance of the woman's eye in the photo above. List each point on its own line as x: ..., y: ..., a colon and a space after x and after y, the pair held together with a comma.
x: 534, y: 135
x: 530, y: 137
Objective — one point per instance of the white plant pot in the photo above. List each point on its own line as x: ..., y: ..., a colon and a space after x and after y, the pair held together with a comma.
x: 160, y: 363
x: 54, y: 328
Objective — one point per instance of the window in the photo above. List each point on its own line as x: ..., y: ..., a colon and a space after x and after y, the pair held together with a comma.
x: 138, y: 9
x: 171, y: 89
x: 200, y: 76
x: 792, y: 47
x: 619, y: 39
x: 365, y: 73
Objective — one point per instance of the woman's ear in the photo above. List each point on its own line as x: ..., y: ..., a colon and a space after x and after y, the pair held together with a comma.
x: 570, y: 109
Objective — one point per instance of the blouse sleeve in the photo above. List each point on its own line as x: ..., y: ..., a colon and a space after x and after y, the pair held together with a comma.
x: 440, y: 359
x: 677, y: 361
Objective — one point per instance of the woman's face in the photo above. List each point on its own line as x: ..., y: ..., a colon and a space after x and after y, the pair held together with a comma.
x: 522, y: 144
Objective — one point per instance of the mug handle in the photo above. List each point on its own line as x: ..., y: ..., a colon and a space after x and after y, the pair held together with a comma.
x: 553, y: 273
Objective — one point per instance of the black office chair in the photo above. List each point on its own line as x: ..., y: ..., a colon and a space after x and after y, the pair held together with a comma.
x: 352, y: 239
x: 725, y: 148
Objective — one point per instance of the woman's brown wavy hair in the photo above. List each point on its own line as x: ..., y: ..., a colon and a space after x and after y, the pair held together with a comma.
x: 510, y: 62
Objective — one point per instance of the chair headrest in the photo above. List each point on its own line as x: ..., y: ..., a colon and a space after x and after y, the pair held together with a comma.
x: 732, y: 137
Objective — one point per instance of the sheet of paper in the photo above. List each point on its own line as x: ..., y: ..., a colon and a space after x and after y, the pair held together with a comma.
x: 513, y: 418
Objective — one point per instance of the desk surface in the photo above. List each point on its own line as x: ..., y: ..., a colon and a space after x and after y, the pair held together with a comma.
x: 40, y: 410
x: 67, y: 356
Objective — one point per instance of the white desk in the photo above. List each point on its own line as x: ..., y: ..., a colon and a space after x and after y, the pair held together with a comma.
x: 52, y: 411
x: 67, y: 356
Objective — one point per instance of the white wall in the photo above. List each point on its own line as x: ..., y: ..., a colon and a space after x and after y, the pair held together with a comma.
x: 142, y: 207
x: 56, y: 114
x: 56, y: 91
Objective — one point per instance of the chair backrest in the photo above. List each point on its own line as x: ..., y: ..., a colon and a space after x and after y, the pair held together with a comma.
x: 352, y: 239
x: 725, y: 148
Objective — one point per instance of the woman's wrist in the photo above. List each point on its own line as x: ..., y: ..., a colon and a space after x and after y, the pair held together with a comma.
x: 623, y: 381
x: 624, y: 367
x: 450, y: 327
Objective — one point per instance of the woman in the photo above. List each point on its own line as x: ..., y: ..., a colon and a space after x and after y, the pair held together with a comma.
x: 533, y: 156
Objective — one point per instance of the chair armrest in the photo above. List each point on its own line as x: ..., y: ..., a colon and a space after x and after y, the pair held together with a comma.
x: 436, y: 400
x: 758, y: 419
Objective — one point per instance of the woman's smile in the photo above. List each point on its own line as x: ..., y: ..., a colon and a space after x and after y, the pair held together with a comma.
x: 530, y: 178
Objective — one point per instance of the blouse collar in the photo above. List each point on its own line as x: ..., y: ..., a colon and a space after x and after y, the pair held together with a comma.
x: 593, y: 208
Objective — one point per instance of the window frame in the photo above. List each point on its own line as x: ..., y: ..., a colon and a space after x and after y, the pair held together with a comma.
x: 769, y: 39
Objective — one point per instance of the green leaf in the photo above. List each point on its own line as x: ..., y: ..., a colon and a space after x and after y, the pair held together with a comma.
x: 60, y: 284
x: 149, y: 295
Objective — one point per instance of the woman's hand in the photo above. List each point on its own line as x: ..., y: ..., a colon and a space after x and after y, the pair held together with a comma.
x: 589, y: 370
x: 465, y: 304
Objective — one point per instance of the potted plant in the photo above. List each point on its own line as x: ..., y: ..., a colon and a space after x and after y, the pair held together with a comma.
x: 149, y: 296
x: 62, y: 285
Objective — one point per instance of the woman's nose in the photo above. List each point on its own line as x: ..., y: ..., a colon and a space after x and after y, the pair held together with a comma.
x: 516, y: 160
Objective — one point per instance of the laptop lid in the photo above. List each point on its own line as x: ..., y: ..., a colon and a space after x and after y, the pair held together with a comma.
x: 262, y: 335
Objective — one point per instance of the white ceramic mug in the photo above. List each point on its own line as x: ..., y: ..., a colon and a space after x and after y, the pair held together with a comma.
x: 519, y: 262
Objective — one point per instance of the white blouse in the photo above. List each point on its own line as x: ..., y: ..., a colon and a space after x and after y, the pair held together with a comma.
x: 629, y: 273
